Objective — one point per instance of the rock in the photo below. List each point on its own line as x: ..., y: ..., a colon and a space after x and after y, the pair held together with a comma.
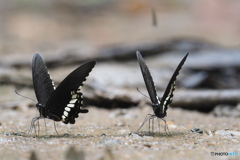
x: 227, y: 110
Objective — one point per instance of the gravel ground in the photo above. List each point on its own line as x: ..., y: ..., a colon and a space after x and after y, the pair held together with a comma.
x: 102, y: 132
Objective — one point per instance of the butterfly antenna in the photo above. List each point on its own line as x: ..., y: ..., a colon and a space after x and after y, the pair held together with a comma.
x: 142, y: 93
x: 25, y: 96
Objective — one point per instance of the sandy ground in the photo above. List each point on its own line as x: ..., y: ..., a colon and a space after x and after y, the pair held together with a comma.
x: 116, y: 130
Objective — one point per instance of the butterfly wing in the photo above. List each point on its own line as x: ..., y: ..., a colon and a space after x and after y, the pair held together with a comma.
x: 42, y: 82
x: 148, y: 79
x: 66, y: 101
x: 168, y: 94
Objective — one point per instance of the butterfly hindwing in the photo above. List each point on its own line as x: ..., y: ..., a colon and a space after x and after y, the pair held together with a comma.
x: 148, y: 79
x: 66, y: 101
x: 168, y: 94
x: 42, y: 82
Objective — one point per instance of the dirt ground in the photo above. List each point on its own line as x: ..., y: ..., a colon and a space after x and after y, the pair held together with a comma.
x: 85, y: 30
x: 115, y: 130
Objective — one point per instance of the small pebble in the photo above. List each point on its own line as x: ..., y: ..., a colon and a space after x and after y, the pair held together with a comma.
x: 209, y: 132
x: 197, y: 130
x: 104, y: 135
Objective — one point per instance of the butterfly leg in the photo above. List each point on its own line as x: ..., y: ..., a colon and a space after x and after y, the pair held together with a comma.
x: 37, y: 131
x: 45, y: 125
x: 149, y: 126
x: 166, y: 127
x: 145, y: 120
x: 158, y: 125
x: 151, y: 118
x: 55, y: 127
x: 29, y: 130
x: 33, y: 126
x: 153, y: 125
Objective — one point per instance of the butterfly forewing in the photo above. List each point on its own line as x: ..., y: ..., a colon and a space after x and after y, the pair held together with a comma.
x: 168, y: 94
x: 42, y: 82
x: 66, y: 101
x: 148, y: 79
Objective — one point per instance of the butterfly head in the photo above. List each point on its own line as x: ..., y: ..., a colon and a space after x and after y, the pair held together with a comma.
x: 41, y: 109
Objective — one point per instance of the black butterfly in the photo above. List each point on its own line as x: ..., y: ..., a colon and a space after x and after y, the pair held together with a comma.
x: 160, y: 105
x: 64, y: 102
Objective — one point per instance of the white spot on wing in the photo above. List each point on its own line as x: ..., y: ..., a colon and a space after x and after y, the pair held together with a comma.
x: 164, y: 103
x: 65, y: 113
x: 73, y: 101
x: 51, y: 80
x: 158, y: 99
x: 74, y: 96
x: 70, y: 105
x: 167, y: 98
x: 169, y: 94
x: 67, y: 109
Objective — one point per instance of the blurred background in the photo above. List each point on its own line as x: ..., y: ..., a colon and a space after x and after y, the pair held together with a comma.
x: 51, y: 25
x: 67, y: 33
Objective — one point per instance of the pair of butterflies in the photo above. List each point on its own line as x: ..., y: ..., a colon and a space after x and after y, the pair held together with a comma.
x: 64, y: 103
